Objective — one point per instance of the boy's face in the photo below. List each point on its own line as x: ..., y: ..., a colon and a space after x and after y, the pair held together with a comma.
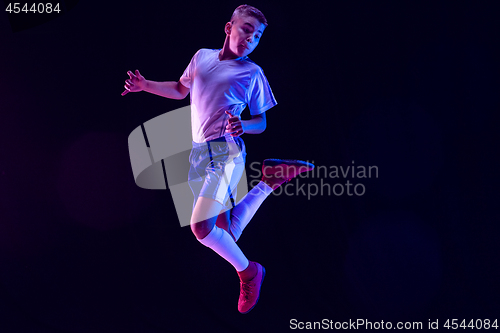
x: 244, y: 34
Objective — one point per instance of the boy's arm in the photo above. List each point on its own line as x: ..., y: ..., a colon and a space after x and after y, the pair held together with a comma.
x: 169, y: 89
x: 237, y: 127
x: 256, y: 125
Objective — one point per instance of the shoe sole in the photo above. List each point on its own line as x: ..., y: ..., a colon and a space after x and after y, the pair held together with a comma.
x: 257, y: 301
x: 275, y: 161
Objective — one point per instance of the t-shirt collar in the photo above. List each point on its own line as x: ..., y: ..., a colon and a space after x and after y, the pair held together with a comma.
x: 239, y: 58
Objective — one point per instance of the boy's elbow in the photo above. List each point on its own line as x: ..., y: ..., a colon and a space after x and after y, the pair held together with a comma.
x: 180, y: 96
x: 182, y: 90
x: 263, y: 123
x: 260, y: 123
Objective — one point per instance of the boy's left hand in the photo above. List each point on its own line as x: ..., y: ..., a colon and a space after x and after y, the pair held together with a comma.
x: 234, y: 125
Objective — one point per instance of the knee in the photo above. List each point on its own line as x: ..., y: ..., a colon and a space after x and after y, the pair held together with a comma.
x: 201, y: 229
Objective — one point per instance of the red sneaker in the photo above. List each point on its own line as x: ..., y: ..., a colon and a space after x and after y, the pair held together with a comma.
x: 250, y: 290
x: 276, y: 172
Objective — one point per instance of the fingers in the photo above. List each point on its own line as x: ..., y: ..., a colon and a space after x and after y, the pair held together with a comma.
x: 237, y: 133
x: 132, y: 76
x: 128, y: 83
x: 234, y: 129
x: 233, y: 126
x: 137, y: 75
x: 128, y: 86
x: 233, y: 122
x: 232, y: 119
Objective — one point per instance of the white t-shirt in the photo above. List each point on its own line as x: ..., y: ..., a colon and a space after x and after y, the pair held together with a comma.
x: 217, y: 86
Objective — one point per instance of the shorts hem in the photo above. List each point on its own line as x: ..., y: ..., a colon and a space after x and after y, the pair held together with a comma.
x: 208, y: 196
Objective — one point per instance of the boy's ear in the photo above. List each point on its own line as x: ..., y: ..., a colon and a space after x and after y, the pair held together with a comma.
x: 227, y: 28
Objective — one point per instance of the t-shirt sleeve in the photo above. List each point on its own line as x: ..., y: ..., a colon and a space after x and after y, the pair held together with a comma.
x: 260, y: 98
x: 186, y: 77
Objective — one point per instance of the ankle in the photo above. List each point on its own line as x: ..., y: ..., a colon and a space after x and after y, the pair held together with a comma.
x: 248, y: 273
x: 273, y: 182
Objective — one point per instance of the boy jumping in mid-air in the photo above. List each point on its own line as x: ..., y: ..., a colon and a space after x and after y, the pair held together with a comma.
x: 222, y: 83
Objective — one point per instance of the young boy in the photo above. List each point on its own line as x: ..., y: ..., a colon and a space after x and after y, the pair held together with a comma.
x: 221, y: 84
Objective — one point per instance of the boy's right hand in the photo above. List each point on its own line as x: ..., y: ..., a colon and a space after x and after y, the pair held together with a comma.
x: 136, y: 83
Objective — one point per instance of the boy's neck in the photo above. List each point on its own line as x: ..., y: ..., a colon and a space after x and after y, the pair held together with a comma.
x: 226, y: 53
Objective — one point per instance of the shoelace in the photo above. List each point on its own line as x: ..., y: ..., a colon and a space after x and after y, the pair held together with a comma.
x: 246, y: 289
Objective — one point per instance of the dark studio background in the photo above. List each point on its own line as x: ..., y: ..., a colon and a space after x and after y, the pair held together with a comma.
x: 410, y: 87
